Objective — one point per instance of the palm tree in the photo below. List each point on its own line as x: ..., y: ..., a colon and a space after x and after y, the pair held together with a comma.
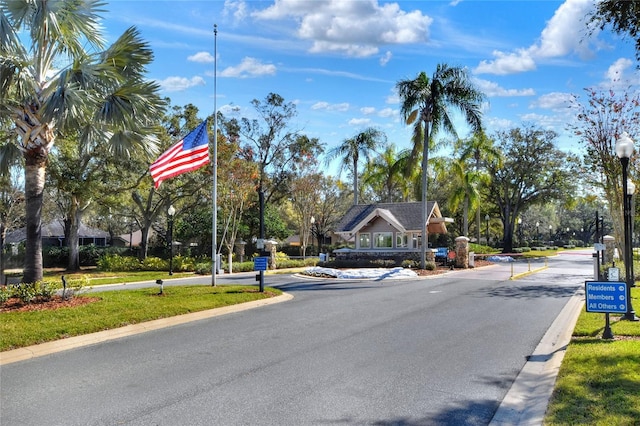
x: 384, y: 175
x: 424, y: 103
x: 62, y: 82
x: 482, y: 150
x: 465, y: 190
x: 351, y: 149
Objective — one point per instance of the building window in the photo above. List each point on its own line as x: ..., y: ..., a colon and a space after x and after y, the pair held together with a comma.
x: 383, y: 240
x: 364, y: 240
x: 402, y: 240
x: 417, y: 241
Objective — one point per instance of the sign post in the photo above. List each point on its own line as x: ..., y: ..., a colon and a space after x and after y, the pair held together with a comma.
x: 606, y: 297
x: 260, y: 264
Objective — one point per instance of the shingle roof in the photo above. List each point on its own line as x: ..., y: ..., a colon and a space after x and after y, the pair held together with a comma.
x: 408, y: 214
x: 55, y: 229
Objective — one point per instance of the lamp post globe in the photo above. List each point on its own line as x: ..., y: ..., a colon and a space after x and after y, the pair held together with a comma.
x: 624, y: 150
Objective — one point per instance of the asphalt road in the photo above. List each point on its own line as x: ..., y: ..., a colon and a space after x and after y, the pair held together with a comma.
x: 438, y: 351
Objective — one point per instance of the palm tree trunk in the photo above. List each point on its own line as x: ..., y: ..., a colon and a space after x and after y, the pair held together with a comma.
x: 34, y: 176
x: 465, y: 216
x: 73, y: 240
x: 425, y: 163
x: 355, y: 180
x: 3, y: 232
x: 478, y: 209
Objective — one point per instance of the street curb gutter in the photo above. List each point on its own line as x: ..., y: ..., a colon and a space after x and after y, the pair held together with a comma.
x: 35, y: 351
x: 527, y: 400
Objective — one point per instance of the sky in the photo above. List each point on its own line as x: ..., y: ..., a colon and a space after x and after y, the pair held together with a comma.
x: 339, y: 60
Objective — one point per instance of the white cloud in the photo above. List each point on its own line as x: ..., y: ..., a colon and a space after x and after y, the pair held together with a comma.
x: 618, y: 76
x: 177, y: 84
x: 563, y: 35
x: 359, y: 122
x: 388, y: 112
x: 201, y: 57
x: 237, y: 9
x: 491, y: 88
x: 341, y: 107
x: 229, y: 110
x: 556, y: 101
x: 507, y: 63
x: 249, y: 67
x: 354, y: 28
x: 564, y: 32
x: 367, y: 110
x: 384, y: 60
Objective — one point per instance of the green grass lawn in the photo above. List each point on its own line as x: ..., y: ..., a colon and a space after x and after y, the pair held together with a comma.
x: 94, y: 277
x: 116, y: 309
x: 599, y: 381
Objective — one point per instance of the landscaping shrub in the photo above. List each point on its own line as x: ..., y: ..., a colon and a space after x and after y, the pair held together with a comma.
x: 5, y: 294
x: 184, y: 264
x: 26, y: 292
x: 155, y: 264
x: 204, y: 268
x: 430, y: 266
x: 409, y: 263
x: 115, y: 262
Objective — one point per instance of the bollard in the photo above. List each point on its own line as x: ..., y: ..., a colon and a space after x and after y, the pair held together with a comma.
x: 160, y: 283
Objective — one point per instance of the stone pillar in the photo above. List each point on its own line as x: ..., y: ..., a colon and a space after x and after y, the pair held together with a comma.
x: 239, y: 246
x: 462, y: 252
x: 609, y: 248
x: 270, y: 247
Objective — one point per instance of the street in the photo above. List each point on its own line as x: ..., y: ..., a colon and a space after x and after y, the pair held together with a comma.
x: 437, y: 351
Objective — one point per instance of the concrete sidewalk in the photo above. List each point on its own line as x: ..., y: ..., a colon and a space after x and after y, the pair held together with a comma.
x: 527, y: 400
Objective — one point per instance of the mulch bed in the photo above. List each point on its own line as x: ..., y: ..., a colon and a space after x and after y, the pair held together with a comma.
x: 56, y: 302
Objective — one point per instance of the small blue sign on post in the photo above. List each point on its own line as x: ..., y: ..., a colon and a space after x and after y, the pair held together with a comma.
x: 606, y: 296
x: 260, y: 263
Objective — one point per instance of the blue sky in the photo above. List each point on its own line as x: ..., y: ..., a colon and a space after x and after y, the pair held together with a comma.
x: 339, y: 60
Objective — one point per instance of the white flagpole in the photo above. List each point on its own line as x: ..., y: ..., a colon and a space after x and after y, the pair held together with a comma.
x: 214, y: 231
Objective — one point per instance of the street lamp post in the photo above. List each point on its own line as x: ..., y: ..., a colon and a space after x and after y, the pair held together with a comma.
x: 537, y: 231
x: 487, y: 218
x: 520, y: 231
x: 631, y: 189
x: 624, y: 150
x: 171, y: 211
x: 550, y: 236
x: 312, y: 221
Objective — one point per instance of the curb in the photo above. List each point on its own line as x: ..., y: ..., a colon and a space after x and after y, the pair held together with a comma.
x: 526, y: 401
x: 55, y: 346
x: 524, y: 274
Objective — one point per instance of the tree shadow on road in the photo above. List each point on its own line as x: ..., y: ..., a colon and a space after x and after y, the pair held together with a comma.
x: 526, y: 291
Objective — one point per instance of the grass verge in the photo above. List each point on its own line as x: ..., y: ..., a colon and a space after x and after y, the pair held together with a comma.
x: 116, y: 309
x: 95, y: 277
x: 599, y: 381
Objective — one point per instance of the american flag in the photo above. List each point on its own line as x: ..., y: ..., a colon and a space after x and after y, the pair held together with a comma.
x: 190, y: 153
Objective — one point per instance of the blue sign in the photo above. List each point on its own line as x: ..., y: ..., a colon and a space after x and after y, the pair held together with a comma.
x: 260, y: 263
x: 606, y: 296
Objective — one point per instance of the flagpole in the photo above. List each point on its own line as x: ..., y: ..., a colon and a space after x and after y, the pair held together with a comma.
x: 214, y: 231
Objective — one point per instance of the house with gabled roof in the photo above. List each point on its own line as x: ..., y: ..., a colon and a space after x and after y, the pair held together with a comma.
x: 388, y: 230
